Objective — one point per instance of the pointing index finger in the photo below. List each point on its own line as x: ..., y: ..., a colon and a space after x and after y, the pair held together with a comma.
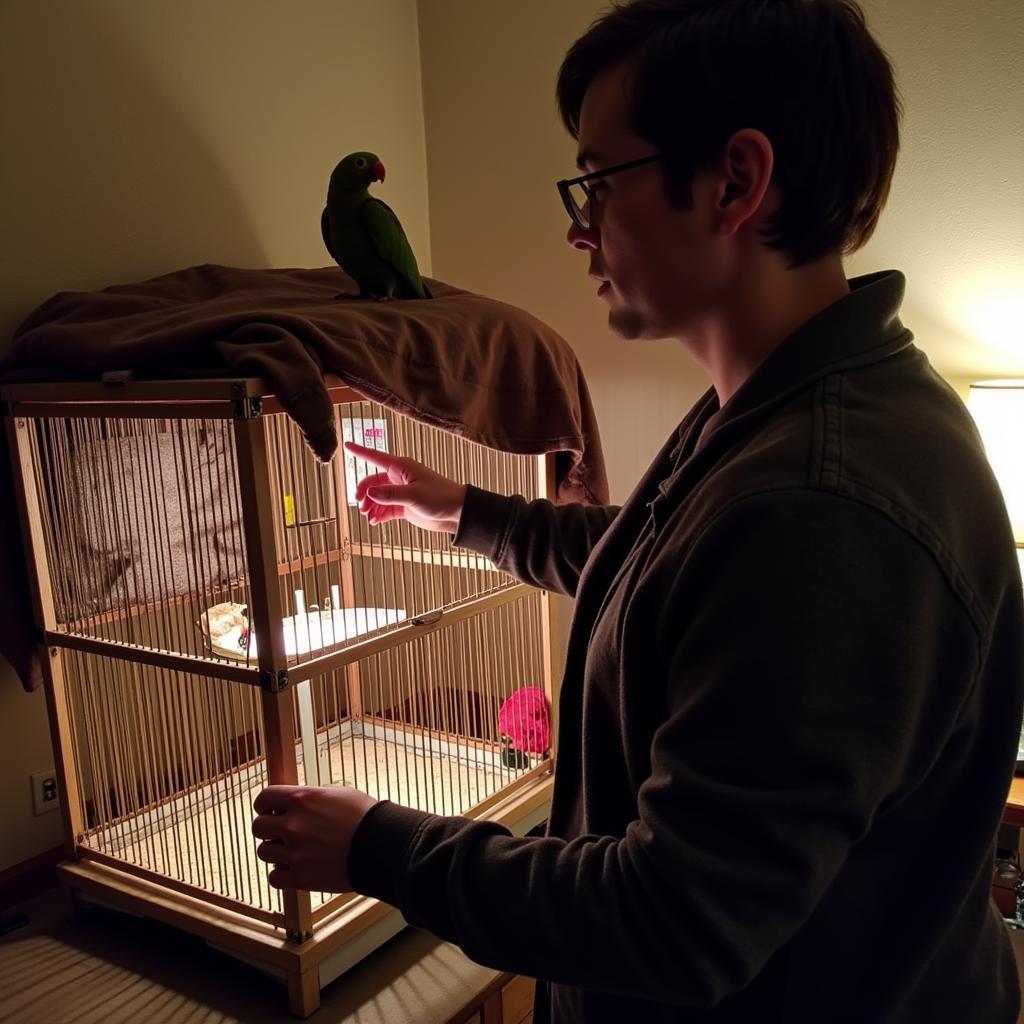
x: 377, y: 458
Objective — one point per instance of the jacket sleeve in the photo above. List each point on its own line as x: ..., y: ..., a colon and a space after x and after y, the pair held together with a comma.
x: 795, y: 709
x: 539, y: 543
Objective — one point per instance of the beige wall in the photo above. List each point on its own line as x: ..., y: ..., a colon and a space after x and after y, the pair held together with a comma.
x: 495, y: 148
x: 141, y: 136
x: 144, y: 136
x: 955, y: 219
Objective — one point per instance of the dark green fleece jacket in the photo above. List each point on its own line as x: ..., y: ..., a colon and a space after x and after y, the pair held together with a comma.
x: 788, y: 720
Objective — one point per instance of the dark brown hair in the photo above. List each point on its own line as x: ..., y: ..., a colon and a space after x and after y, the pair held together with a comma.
x: 807, y: 73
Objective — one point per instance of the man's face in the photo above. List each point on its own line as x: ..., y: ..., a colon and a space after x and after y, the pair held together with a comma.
x: 662, y: 264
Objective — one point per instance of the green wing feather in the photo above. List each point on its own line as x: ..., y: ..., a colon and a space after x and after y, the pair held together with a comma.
x: 388, y: 238
x: 325, y: 230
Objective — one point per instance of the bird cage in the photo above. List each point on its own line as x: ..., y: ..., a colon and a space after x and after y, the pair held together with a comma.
x: 219, y: 616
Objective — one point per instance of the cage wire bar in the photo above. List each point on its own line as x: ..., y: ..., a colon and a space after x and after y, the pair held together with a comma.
x: 170, y: 762
x: 143, y: 528
x: 220, y: 616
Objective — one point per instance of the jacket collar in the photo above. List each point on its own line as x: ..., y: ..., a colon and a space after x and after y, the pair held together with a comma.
x: 861, y: 328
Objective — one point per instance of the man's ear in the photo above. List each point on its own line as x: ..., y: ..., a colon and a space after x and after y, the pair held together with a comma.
x: 732, y: 191
x: 747, y: 164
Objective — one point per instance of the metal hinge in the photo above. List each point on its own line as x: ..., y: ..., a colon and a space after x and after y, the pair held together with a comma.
x: 245, y: 408
x: 299, y: 936
x: 274, y: 682
x: 116, y: 378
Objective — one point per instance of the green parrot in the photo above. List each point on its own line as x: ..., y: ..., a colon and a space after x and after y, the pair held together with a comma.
x: 364, y: 236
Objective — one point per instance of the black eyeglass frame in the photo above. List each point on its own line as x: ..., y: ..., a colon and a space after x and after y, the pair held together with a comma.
x: 575, y: 214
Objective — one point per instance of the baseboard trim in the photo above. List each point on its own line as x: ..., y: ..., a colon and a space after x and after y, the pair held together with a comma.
x: 31, y: 877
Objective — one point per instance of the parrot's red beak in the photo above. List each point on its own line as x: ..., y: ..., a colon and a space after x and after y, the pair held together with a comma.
x: 378, y: 171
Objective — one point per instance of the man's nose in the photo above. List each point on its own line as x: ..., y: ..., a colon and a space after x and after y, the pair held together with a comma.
x: 582, y: 239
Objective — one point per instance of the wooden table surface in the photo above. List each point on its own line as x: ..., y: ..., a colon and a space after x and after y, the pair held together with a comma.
x: 1014, y: 812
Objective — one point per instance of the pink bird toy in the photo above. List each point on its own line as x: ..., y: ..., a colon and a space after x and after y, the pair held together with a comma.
x: 523, y: 718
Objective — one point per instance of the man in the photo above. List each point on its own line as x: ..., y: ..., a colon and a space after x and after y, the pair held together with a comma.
x: 792, y: 693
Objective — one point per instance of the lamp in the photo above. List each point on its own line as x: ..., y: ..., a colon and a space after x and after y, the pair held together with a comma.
x: 998, y: 409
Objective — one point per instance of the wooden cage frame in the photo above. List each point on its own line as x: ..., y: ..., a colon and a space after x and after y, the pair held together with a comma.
x: 311, y: 945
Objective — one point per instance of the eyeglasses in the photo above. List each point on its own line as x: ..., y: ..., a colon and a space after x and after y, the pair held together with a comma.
x: 575, y: 192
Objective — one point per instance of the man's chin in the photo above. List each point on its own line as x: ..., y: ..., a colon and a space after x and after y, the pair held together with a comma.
x: 626, y: 324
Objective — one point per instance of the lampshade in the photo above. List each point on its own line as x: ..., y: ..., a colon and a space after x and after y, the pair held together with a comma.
x: 998, y: 408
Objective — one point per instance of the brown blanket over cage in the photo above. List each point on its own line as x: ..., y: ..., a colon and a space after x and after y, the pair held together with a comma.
x: 477, y: 367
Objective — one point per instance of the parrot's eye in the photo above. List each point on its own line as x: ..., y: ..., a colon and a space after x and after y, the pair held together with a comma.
x: 360, y: 163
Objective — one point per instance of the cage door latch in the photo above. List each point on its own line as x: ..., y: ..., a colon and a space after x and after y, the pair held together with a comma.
x: 430, y: 619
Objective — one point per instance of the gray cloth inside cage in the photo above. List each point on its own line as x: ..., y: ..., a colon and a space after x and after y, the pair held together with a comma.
x: 156, y: 515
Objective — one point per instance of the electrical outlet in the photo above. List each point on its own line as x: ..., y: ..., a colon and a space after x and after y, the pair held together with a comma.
x: 45, y: 795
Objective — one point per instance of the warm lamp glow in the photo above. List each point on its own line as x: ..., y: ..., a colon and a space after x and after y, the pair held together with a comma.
x: 998, y: 408
x: 985, y: 306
